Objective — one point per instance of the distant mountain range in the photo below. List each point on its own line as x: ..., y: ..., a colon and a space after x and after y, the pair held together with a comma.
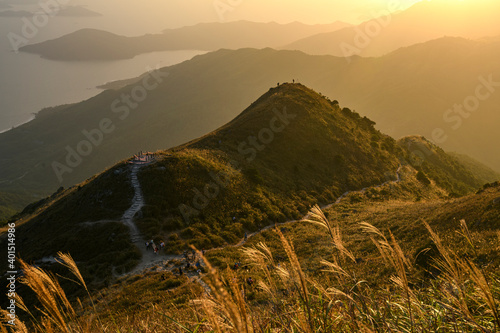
x: 384, y: 33
x: 424, y: 21
x: 411, y: 91
x: 91, y: 44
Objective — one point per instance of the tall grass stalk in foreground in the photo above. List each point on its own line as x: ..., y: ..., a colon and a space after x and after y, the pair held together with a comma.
x: 317, y: 216
x: 67, y: 261
x: 466, y: 282
x: 226, y: 308
x: 392, y: 253
x: 57, y: 313
x: 461, y: 298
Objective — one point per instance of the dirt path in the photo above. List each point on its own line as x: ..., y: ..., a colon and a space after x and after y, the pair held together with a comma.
x: 243, y: 241
x: 149, y: 258
x: 171, y: 263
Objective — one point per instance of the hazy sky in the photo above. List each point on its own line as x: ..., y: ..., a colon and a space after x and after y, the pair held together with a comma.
x: 134, y: 17
x: 180, y: 12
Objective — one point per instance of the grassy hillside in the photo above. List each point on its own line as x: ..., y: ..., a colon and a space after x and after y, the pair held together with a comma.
x: 404, y: 218
x: 82, y: 220
x: 445, y: 170
x: 198, y: 96
x: 12, y: 203
x: 317, y: 152
x: 292, y: 148
x: 302, y: 281
x: 477, y: 168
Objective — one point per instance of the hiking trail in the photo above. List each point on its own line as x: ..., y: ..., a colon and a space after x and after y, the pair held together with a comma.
x: 171, y: 263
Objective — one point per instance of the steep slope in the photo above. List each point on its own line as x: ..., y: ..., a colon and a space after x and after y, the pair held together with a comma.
x: 481, y: 212
x: 91, y: 44
x: 424, y: 21
x: 12, y: 203
x: 83, y: 220
x: 477, y: 168
x: 290, y: 149
x: 409, y: 91
x: 445, y: 170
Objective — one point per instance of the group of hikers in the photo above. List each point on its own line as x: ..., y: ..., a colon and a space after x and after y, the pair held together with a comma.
x: 191, y: 262
x: 156, y: 248
x: 293, y: 81
x: 144, y: 157
x: 237, y: 265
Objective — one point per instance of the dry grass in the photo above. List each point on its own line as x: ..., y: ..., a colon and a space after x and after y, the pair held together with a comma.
x: 463, y: 297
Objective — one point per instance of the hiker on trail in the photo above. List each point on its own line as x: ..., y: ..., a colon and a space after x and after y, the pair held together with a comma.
x: 250, y: 281
x: 147, y: 245
x: 162, y: 244
x: 246, y: 236
x: 198, y: 265
x: 156, y: 249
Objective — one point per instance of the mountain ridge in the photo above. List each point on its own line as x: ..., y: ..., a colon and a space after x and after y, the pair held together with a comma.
x: 290, y: 149
x: 232, y: 85
x: 93, y: 44
x: 381, y: 35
